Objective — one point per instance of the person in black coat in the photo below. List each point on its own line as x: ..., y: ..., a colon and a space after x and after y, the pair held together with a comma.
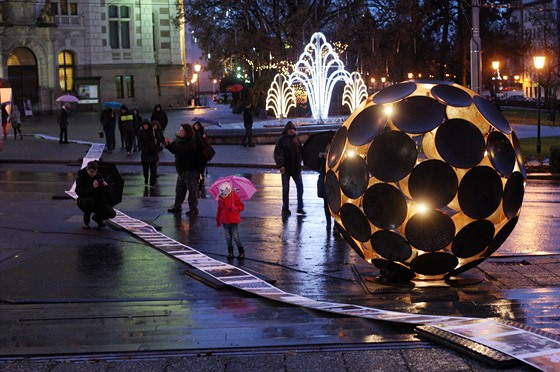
x: 93, y: 191
x: 148, y: 145
x: 107, y: 119
x: 287, y: 156
x: 248, y: 124
x: 159, y: 115
x: 187, y: 163
x: 63, y: 122
x: 137, y: 126
x: 126, y: 124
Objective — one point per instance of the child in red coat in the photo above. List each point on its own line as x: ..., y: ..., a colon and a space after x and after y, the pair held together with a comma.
x: 229, y: 209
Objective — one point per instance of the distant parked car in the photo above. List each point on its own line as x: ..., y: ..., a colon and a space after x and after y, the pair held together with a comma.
x: 220, y: 98
x: 516, y: 98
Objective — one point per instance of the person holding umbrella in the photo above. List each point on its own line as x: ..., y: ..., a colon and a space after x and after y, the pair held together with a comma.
x: 287, y: 156
x: 93, y: 196
x: 63, y: 122
x: 229, y: 208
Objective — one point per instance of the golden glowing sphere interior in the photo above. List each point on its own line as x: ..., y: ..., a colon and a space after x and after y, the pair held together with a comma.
x: 426, y: 179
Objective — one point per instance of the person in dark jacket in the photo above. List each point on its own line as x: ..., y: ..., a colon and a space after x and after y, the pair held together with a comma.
x: 200, y: 137
x: 248, y: 124
x: 287, y: 156
x: 187, y: 163
x: 137, y: 126
x: 126, y: 122
x: 63, y: 122
x: 159, y: 115
x: 148, y: 145
x: 107, y: 119
x: 5, y: 120
x: 92, y: 191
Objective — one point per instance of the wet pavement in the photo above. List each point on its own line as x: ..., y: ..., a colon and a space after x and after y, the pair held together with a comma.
x: 103, y: 300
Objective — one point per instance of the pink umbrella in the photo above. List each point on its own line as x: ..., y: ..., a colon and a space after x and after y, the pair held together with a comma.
x: 244, y: 188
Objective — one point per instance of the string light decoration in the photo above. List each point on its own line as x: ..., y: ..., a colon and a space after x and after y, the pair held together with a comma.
x: 426, y: 180
x: 280, y: 97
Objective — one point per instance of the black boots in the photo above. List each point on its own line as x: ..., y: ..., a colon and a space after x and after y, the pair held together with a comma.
x: 230, y: 253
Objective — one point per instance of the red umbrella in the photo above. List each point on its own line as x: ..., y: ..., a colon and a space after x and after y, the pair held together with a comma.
x: 236, y: 88
x: 244, y: 188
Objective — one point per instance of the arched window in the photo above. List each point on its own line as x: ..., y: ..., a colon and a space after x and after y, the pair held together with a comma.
x: 23, y: 75
x: 66, y: 71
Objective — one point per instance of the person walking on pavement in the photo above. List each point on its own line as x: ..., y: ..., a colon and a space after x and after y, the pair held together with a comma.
x: 92, y: 191
x: 5, y: 120
x: 248, y: 124
x: 148, y: 145
x: 200, y: 137
x: 63, y: 122
x: 187, y: 164
x: 137, y: 126
x: 228, y: 214
x: 15, y: 119
x: 262, y: 105
x: 159, y: 137
x: 107, y: 119
x: 287, y: 156
x: 126, y: 122
x: 160, y: 115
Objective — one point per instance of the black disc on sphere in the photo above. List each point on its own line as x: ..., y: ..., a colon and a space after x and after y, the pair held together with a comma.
x: 480, y: 192
x: 332, y: 190
x: 513, y: 194
x: 417, y: 114
x: 390, y: 245
x: 394, y: 92
x: 436, y: 263
x: 392, y: 272
x: 492, y: 114
x: 451, y: 95
x: 430, y: 231
x: 348, y: 238
x: 501, y: 153
x: 501, y: 236
x: 473, y: 238
x: 518, y: 154
x: 338, y: 145
x: 353, y: 176
x: 433, y: 182
x: 460, y: 143
x: 391, y: 156
x: 385, y: 206
x: 366, y: 125
x: 463, y: 268
x: 355, y: 222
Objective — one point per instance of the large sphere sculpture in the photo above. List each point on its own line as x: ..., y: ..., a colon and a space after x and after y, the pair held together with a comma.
x: 425, y: 179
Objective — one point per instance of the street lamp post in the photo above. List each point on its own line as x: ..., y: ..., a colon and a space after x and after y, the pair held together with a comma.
x: 496, y: 67
x: 197, y: 68
x: 539, y: 63
x: 383, y: 80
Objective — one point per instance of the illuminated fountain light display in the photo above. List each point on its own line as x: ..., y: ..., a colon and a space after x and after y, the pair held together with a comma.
x: 355, y: 92
x: 318, y: 70
x: 280, y: 97
x: 426, y: 180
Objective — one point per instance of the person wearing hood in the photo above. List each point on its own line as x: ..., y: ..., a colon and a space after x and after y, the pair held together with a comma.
x: 63, y: 122
x: 93, y: 191
x: 15, y: 119
x: 287, y: 156
x: 159, y: 115
x: 126, y: 122
x: 187, y: 163
x: 228, y: 215
x: 148, y: 145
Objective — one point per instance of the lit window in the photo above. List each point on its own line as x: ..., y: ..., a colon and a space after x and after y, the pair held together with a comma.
x: 119, y: 27
x: 119, y: 86
x: 66, y: 71
x: 129, y: 80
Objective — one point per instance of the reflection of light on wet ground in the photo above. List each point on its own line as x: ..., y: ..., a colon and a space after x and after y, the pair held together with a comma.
x: 538, y: 228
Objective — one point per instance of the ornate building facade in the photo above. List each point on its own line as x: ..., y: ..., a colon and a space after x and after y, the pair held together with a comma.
x: 98, y: 50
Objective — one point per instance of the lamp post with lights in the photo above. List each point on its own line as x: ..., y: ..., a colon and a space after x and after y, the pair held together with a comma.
x: 539, y: 63
x: 197, y: 68
x: 496, y: 67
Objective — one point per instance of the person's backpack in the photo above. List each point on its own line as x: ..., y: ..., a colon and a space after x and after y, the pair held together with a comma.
x: 208, y: 151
